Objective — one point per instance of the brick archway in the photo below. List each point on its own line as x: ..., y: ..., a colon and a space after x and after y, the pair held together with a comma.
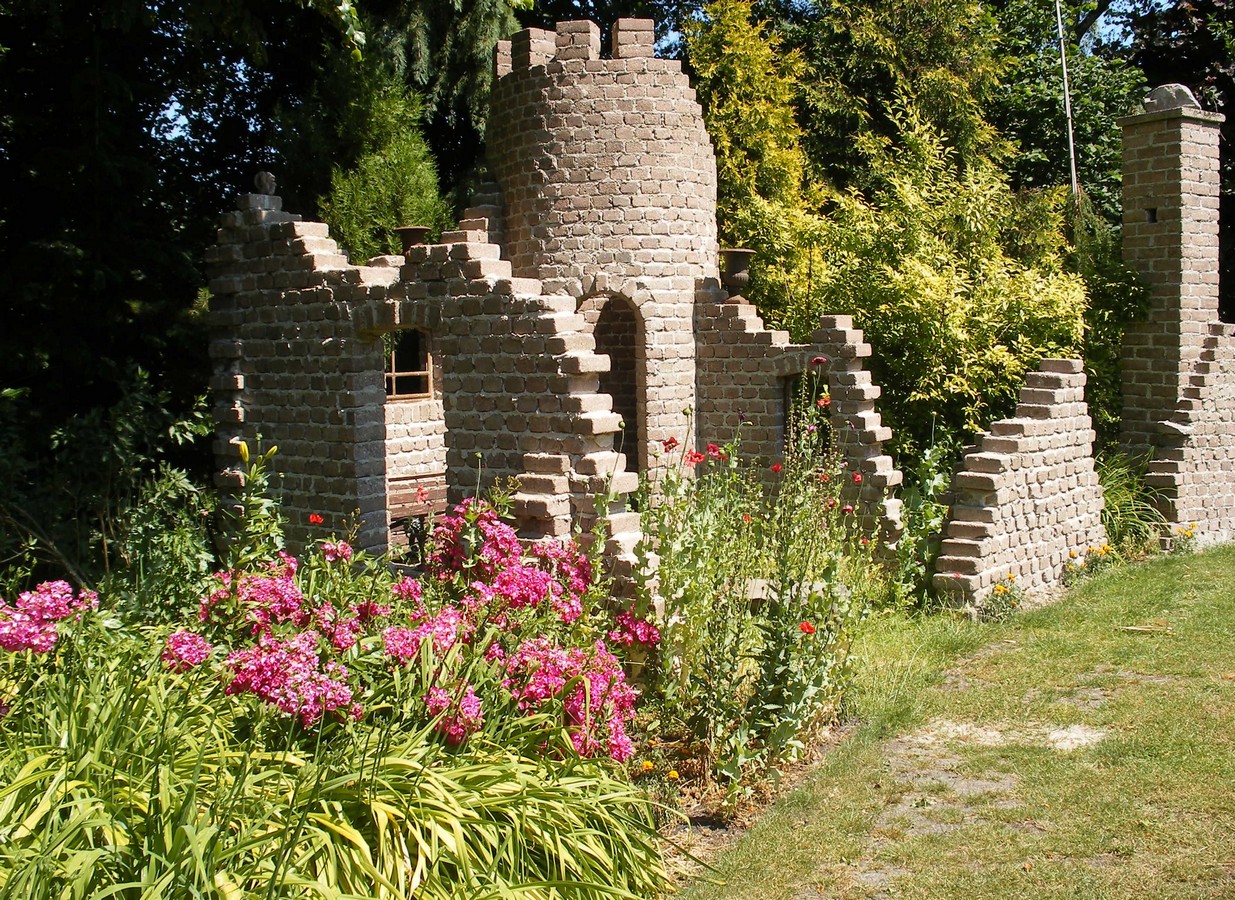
x: 618, y: 333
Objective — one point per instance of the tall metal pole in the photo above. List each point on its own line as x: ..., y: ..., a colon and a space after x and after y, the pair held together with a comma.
x: 1067, y: 100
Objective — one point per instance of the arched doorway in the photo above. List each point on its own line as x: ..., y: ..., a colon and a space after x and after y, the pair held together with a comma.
x: 619, y: 336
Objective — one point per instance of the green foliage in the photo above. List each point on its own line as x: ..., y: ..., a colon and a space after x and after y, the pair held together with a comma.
x: 923, y: 512
x: 956, y: 281
x: 116, y: 774
x: 760, y: 597
x: 1117, y: 298
x: 163, y: 550
x: 393, y: 183
x: 748, y: 84
x: 67, y: 499
x: 866, y: 60
x: 1028, y: 105
x: 1133, y: 522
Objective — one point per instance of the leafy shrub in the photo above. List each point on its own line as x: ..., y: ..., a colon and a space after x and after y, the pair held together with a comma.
x: 923, y: 512
x: 394, y: 183
x: 759, y: 598
x: 956, y: 281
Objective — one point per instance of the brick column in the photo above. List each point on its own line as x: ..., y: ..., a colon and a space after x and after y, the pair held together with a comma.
x: 1170, y: 236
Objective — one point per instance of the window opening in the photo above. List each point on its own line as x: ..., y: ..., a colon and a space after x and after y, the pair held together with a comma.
x: 408, y: 365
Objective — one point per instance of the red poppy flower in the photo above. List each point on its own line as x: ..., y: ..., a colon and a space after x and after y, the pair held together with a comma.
x: 746, y: 518
x: 776, y: 467
x: 670, y: 444
x: 857, y: 477
x: 315, y: 519
x: 694, y: 457
x: 824, y: 477
x: 831, y: 503
x: 807, y: 628
x: 823, y: 402
x: 846, y: 508
x: 819, y: 361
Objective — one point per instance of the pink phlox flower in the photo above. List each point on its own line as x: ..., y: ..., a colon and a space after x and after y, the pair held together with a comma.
x: 288, y: 674
x: 402, y: 644
x: 339, y: 551
x: 185, y: 650
x: 522, y: 586
x: 633, y: 630
x: 54, y: 601
x: 30, y: 624
x: 458, y: 719
x: 342, y: 631
x: 215, y: 597
x: 367, y: 610
x: 276, y: 598
x: 597, y: 707
x: 21, y: 631
x: 445, y: 629
x: 484, y: 546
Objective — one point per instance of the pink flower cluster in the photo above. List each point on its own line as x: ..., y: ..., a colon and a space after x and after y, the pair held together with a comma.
x: 459, y: 718
x: 260, y: 598
x: 185, y: 650
x: 339, y: 551
x: 483, y: 546
x: 30, y: 623
x: 445, y: 629
x: 598, y: 705
x: 633, y: 630
x: 289, y: 675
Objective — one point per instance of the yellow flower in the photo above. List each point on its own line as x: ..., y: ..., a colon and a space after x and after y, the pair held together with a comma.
x: 673, y: 775
x: 648, y: 765
x: 1071, y: 554
x: 1000, y: 589
x: 1011, y: 577
x: 1192, y: 527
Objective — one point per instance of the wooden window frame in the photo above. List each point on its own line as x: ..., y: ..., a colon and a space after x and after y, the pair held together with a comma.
x: 394, y: 373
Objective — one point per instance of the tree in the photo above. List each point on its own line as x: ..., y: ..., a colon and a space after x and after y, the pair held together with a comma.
x: 1028, y: 105
x: 747, y: 87
x: 124, y: 129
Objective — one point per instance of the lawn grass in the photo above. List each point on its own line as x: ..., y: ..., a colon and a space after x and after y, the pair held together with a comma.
x: 1086, y: 749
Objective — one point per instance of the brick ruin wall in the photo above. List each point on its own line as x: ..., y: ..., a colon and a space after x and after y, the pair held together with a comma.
x: 746, y: 379
x: 300, y: 361
x: 576, y: 321
x: 1179, y: 363
x: 1027, y: 496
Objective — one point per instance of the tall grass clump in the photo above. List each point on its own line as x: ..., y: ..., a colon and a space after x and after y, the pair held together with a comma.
x: 321, y: 727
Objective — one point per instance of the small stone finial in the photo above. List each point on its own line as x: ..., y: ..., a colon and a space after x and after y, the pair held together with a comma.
x: 1170, y: 96
x: 264, y: 182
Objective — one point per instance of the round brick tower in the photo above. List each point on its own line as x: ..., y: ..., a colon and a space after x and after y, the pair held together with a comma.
x: 604, y: 165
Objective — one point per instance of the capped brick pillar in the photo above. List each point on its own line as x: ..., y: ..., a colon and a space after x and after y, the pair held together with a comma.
x: 1170, y: 236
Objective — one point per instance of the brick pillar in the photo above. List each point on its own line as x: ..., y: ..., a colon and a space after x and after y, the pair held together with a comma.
x: 1170, y: 236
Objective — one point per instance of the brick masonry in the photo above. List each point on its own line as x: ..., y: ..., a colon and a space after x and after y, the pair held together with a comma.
x: 600, y: 235
x: 576, y: 321
x: 1179, y: 364
x: 1027, y: 495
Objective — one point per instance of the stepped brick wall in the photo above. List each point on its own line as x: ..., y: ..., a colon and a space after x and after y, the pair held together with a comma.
x: 1027, y: 496
x: 1179, y: 379
x: 747, y: 377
